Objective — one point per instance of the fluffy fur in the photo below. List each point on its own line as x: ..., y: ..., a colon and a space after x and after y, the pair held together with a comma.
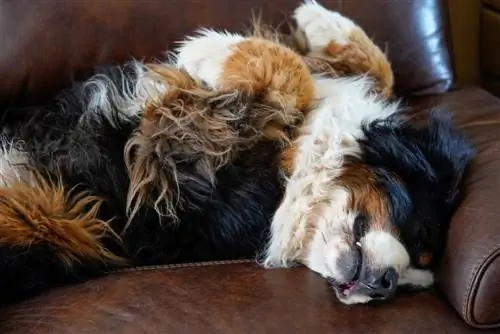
x: 369, y: 193
x: 205, y: 155
x: 173, y: 162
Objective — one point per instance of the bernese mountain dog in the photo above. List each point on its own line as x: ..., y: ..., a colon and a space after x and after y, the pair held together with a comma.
x: 286, y: 149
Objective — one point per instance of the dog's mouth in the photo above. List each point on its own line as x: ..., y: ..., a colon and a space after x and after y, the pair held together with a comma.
x: 343, y: 289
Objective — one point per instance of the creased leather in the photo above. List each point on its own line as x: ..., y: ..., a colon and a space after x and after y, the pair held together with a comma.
x: 156, y: 300
x: 228, y: 298
x: 46, y: 44
x: 470, y: 271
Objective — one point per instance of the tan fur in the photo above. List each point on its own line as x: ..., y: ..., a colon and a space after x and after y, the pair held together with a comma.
x: 44, y: 213
x: 425, y: 259
x: 261, y: 67
x: 288, y: 157
x: 365, y: 196
x: 316, y: 211
x: 195, y: 125
x: 361, y: 56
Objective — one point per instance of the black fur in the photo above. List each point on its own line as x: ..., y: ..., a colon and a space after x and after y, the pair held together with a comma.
x: 421, y: 169
x: 230, y: 221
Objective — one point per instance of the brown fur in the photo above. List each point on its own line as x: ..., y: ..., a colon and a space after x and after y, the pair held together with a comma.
x: 259, y: 66
x: 361, y: 55
x: 193, y: 124
x: 425, y: 259
x: 365, y: 196
x: 288, y: 158
x: 44, y: 213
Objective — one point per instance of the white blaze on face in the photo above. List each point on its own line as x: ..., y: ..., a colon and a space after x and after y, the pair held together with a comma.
x: 314, y: 224
x: 382, y: 250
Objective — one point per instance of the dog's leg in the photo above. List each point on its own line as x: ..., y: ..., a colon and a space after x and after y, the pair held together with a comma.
x: 231, y: 62
x: 226, y: 94
x: 344, y: 45
x: 254, y: 65
x: 48, y: 237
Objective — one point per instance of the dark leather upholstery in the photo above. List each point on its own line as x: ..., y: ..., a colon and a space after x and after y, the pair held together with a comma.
x: 470, y: 271
x: 46, y: 44
x: 236, y: 298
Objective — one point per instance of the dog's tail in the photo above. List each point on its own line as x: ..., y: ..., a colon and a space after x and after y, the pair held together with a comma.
x: 49, y: 236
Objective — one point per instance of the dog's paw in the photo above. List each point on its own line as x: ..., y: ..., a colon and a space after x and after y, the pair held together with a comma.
x: 322, y: 26
x: 204, y: 54
x: 417, y: 278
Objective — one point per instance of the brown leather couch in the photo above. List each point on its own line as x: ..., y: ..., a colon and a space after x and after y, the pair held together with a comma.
x: 47, y: 43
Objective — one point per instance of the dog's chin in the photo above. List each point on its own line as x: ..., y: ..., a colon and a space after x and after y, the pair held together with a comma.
x: 348, y: 293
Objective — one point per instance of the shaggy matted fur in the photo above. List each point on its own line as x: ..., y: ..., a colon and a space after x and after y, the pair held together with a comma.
x: 174, y: 162
x: 192, y: 128
x: 203, y: 154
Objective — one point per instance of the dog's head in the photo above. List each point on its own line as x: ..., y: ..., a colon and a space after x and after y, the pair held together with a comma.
x: 382, y: 220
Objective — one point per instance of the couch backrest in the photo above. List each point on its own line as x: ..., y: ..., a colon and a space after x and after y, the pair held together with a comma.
x: 46, y: 44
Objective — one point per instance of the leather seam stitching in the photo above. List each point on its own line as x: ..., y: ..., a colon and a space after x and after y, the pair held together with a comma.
x: 476, y: 273
x: 179, y: 266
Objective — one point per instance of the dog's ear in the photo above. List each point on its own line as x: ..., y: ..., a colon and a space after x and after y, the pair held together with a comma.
x: 435, y: 152
x: 449, y: 153
x: 431, y: 162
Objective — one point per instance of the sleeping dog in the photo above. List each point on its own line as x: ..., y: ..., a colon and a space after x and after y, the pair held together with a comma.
x: 243, y: 145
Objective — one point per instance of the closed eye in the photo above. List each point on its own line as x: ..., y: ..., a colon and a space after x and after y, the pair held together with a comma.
x: 360, y: 226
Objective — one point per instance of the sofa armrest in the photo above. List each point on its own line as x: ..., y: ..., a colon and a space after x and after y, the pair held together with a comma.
x: 470, y: 270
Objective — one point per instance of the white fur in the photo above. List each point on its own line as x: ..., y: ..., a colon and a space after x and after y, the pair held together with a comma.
x: 102, y: 94
x: 330, y: 133
x: 355, y: 299
x: 313, y: 222
x: 329, y: 244
x: 417, y: 277
x: 12, y: 163
x: 204, y: 54
x: 382, y: 250
x: 322, y: 26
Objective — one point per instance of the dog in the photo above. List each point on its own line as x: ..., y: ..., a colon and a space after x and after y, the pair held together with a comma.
x: 241, y: 146
x: 370, y: 193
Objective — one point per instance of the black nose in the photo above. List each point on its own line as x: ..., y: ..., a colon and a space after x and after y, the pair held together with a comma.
x: 379, y: 284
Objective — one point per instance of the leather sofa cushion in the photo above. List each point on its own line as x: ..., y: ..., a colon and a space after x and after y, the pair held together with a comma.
x: 494, y: 4
x: 229, y: 298
x: 469, y: 274
x: 470, y: 271
x: 46, y: 44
